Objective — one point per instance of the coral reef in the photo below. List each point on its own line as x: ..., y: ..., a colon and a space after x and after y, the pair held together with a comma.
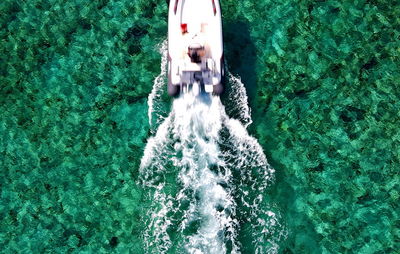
x: 323, y: 80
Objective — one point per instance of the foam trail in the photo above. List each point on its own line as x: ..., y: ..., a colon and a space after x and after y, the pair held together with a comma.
x: 154, y: 101
x: 212, y: 206
x: 205, y: 178
x: 237, y: 95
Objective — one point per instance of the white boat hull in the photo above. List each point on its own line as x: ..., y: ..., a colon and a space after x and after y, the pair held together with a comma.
x: 195, y: 46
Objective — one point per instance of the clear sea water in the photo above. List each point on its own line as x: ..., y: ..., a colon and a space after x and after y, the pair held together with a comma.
x: 300, y: 155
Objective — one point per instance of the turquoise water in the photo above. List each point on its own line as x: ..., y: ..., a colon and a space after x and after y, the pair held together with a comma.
x: 322, y: 80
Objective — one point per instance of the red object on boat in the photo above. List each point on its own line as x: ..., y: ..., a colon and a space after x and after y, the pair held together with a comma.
x: 184, y: 28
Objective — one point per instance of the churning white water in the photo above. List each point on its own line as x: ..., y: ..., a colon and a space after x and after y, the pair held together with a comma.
x: 155, y: 104
x: 205, y: 175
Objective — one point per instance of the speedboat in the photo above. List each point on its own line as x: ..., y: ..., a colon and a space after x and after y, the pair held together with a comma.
x: 195, y: 47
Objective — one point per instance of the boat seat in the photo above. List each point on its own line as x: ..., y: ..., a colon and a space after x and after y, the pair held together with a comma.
x: 189, y: 66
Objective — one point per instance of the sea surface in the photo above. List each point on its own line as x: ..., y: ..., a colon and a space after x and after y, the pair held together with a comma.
x: 299, y: 155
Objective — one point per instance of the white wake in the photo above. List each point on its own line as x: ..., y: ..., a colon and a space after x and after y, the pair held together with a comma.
x: 155, y: 103
x: 200, y: 167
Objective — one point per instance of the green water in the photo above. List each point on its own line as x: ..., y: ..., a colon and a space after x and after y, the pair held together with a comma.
x: 323, y: 83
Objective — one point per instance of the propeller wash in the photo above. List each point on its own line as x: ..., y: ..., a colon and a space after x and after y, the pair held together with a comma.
x: 205, y: 178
